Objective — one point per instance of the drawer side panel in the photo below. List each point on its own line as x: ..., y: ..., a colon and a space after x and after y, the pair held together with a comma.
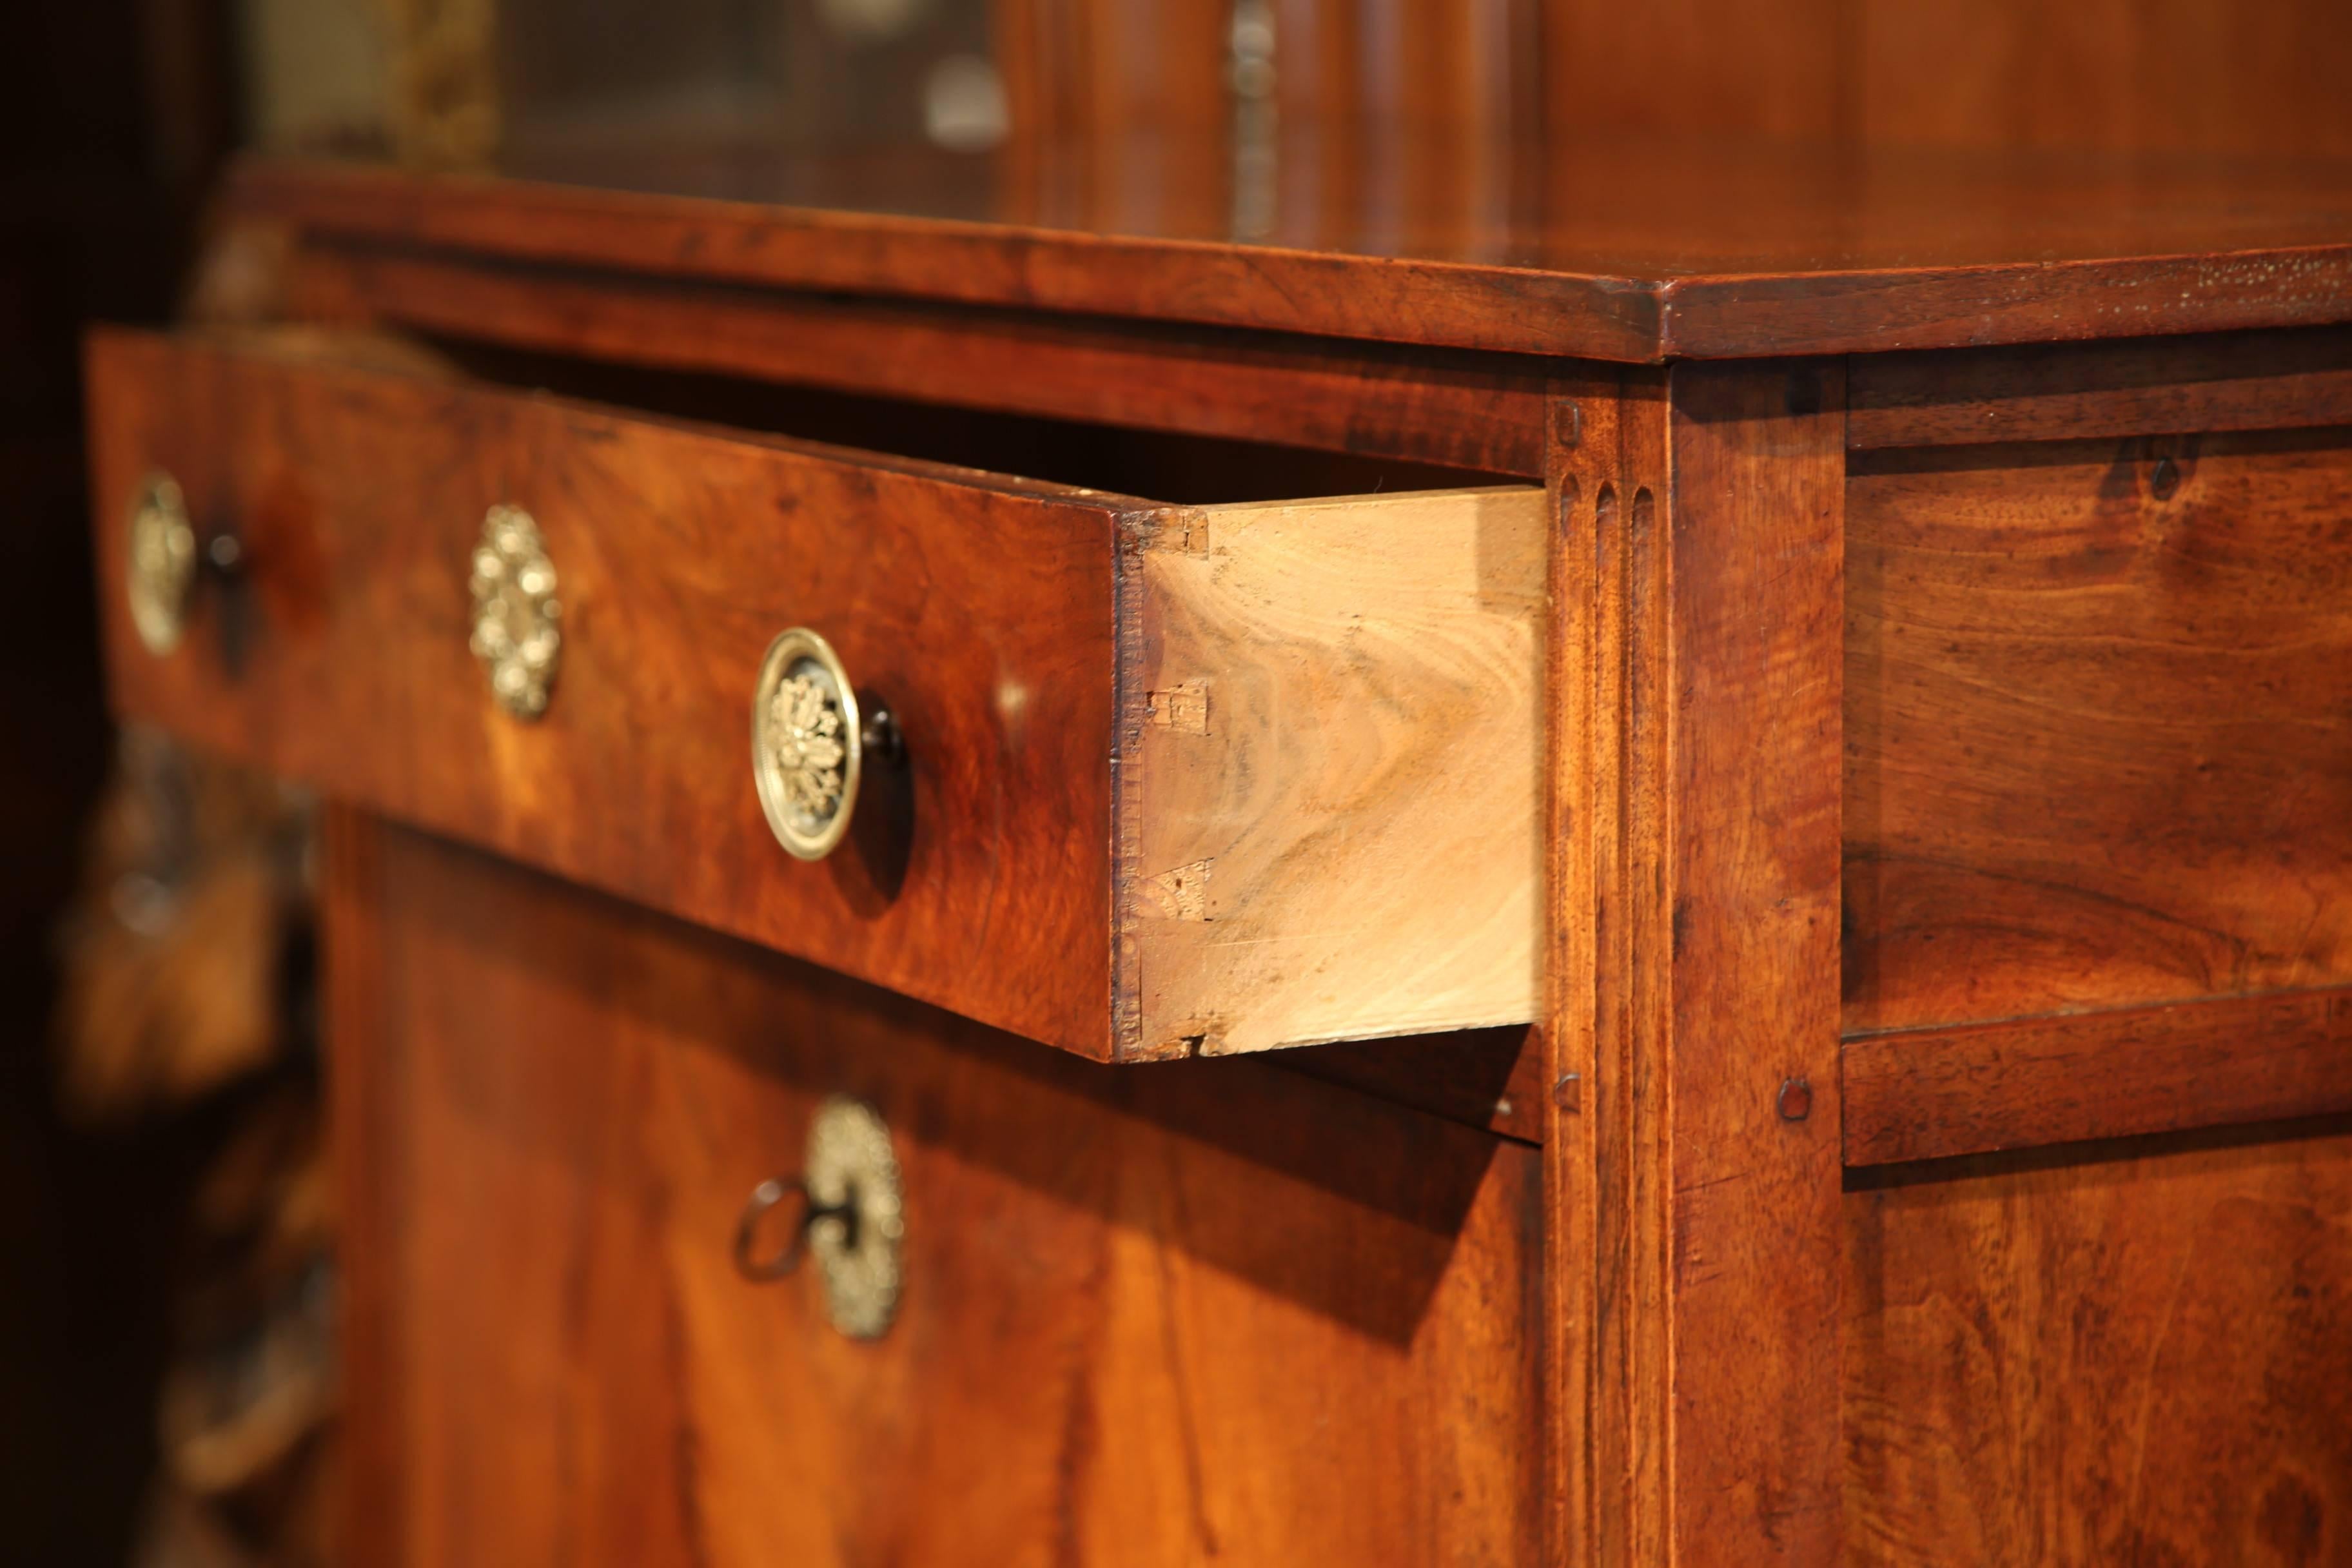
x: 1337, y: 718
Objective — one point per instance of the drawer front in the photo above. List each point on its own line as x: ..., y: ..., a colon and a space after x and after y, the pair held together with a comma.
x: 979, y: 611
x: 1215, y: 1309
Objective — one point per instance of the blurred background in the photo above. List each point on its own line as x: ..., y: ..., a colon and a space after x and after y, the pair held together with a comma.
x: 166, y: 1276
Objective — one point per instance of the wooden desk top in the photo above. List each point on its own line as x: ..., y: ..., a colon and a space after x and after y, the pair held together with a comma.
x: 1638, y: 253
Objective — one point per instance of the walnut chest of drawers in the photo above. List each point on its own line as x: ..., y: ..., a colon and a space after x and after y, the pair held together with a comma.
x: 1660, y: 876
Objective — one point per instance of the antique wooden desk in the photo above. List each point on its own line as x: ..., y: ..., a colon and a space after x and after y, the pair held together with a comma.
x: 1812, y: 699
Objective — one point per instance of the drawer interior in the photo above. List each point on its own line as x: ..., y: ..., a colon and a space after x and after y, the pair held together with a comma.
x: 1250, y: 763
x: 1166, y: 466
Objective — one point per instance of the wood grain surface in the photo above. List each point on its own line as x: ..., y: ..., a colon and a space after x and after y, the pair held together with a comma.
x: 1749, y: 954
x: 679, y: 553
x: 2139, y: 1357
x: 1486, y: 1078
x: 363, y: 1113
x: 2224, y: 380
x: 1925, y: 1094
x: 1473, y: 411
x: 2099, y: 725
x: 1639, y: 251
x: 1695, y: 1168
x: 1208, y: 1310
x: 1335, y: 800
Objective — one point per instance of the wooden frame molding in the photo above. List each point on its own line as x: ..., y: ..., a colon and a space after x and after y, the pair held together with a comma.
x: 363, y: 1112
x: 1926, y: 1094
x: 1696, y: 1178
x: 1743, y: 306
x: 2210, y: 382
x: 1465, y: 409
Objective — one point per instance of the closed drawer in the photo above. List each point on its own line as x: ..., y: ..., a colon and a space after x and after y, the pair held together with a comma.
x: 1216, y: 1310
x: 1175, y: 780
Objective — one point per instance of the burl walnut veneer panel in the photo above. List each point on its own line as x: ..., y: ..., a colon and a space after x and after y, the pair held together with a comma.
x: 2061, y: 1364
x: 1163, y: 1315
x: 2098, y: 724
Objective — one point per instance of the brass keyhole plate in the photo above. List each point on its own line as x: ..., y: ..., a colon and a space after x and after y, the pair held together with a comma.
x: 851, y: 1172
x: 162, y: 566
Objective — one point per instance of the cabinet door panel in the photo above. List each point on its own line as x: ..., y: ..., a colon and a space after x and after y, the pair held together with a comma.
x: 1213, y: 1308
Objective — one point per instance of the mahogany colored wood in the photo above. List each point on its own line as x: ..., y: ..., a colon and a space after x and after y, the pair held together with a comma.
x: 1632, y: 252
x: 1925, y: 1094
x: 363, y: 1144
x: 1481, y: 1078
x: 2110, y: 1359
x: 1694, y: 1158
x: 2046, y: 638
x: 1472, y: 411
x: 2099, y: 722
x: 2241, y: 381
x: 1609, y: 1335
x: 1158, y: 1315
x: 679, y: 553
x: 1746, y: 953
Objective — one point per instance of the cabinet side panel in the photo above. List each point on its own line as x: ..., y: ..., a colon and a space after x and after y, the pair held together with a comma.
x: 2107, y: 1360
x: 2099, y: 725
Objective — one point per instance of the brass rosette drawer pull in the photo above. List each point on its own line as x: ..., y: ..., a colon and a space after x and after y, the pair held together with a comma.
x: 518, y: 619
x: 166, y: 565
x: 811, y: 738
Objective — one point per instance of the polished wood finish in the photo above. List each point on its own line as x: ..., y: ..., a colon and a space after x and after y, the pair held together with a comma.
x: 2226, y: 382
x: 1632, y: 252
x: 1925, y: 1094
x: 1485, y: 1078
x: 2136, y: 1357
x: 2099, y: 713
x: 359, y: 495
x: 1132, y: 730
x: 1695, y: 1156
x: 1941, y: 751
x: 1210, y: 1310
x: 363, y: 1106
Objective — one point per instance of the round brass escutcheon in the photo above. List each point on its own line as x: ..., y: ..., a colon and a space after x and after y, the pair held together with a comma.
x: 807, y: 748
x: 518, y: 619
x: 848, y: 1216
x: 160, y: 568
x: 856, y: 1215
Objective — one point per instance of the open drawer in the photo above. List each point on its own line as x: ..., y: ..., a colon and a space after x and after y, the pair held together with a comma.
x: 1154, y: 780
